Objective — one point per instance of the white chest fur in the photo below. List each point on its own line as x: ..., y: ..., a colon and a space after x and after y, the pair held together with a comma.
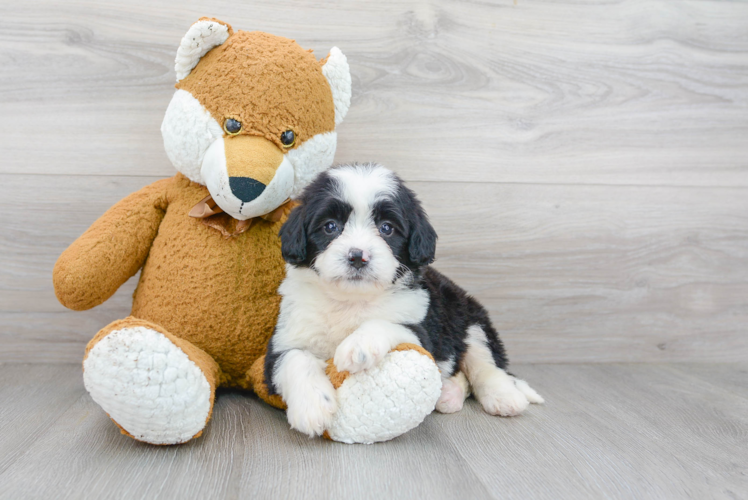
x: 317, y: 317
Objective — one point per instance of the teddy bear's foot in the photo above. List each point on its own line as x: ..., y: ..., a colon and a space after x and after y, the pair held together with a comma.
x: 157, y: 388
x: 387, y: 400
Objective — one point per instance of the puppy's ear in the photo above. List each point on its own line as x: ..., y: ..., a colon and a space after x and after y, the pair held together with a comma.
x: 422, y: 241
x: 293, y: 237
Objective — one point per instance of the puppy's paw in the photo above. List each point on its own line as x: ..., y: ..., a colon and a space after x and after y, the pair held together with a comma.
x: 451, y: 398
x: 504, y: 400
x: 360, y: 351
x: 311, y: 413
x: 532, y: 396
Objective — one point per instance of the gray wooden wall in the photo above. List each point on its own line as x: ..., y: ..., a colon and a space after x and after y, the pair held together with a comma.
x: 584, y: 162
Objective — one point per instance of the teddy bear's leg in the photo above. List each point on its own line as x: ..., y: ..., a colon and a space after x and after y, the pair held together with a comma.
x: 156, y: 387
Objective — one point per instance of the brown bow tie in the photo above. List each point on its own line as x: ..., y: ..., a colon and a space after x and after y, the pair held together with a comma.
x: 213, y: 216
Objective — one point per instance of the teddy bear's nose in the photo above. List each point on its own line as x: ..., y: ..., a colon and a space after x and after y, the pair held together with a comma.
x: 246, y: 188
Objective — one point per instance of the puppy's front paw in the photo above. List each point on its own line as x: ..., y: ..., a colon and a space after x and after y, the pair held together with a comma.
x: 360, y: 351
x: 311, y: 413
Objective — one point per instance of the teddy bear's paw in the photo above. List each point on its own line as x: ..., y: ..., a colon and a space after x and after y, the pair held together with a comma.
x: 387, y: 400
x: 360, y: 351
x: 148, y: 385
x: 311, y: 412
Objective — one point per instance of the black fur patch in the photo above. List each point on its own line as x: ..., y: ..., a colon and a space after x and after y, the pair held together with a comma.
x: 271, y: 358
x: 303, y: 236
x: 413, y: 241
x: 451, y: 312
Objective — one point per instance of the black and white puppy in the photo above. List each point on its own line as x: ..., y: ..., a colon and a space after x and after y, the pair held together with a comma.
x: 358, y: 284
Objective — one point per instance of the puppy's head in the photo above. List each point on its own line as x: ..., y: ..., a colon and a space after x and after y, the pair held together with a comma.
x: 359, y: 227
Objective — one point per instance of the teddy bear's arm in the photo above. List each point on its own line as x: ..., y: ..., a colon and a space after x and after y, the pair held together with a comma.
x: 112, y: 250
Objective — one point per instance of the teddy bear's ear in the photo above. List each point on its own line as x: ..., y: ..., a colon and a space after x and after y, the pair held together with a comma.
x: 200, y: 38
x: 338, y: 74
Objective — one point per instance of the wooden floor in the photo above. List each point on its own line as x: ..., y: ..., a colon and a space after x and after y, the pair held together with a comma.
x: 607, y: 431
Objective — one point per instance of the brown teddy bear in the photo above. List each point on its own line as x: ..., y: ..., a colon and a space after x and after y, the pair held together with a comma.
x: 251, y: 124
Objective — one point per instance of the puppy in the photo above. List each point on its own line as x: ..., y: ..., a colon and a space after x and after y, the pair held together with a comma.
x: 358, y: 284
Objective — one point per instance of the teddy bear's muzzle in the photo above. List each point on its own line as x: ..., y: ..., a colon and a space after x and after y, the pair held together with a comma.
x: 251, y: 164
x: 247, y: 176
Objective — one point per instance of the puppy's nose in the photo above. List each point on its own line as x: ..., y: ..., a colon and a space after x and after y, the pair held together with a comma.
x: 246, y: 188
x: 358, y: 258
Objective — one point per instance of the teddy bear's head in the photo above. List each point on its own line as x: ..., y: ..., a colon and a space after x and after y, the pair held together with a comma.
x: 254, y: 115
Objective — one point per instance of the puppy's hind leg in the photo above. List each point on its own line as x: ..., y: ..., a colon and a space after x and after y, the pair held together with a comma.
x: 530, y: 393
x: 493, y: 387
x: 455, y: 390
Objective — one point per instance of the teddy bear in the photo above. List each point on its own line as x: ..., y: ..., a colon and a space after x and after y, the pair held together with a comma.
x: 251, y: 123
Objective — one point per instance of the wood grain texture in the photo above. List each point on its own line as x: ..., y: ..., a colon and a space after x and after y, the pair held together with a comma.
x: 615, y: 431
x: 32, y: 398
x: 585, y: 163
x: 567, y: 272
x: 613, y: 92
x: 729, y: 380
x: 607, y: 431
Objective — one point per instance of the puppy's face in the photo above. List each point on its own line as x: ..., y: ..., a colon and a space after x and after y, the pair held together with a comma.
x: 359, y: 227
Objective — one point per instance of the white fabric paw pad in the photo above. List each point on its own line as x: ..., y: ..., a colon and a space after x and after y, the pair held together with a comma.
x: 148, y: 385
x: 386, y: 401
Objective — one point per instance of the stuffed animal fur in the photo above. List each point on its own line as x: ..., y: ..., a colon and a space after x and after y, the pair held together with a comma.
x: 251, y: 123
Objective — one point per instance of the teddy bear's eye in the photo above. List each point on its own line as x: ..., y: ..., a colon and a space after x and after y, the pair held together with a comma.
x: 231, y: 126
x: 288, y: 138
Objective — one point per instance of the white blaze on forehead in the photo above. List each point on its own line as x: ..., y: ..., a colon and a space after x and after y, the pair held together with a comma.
x: 361, y: 186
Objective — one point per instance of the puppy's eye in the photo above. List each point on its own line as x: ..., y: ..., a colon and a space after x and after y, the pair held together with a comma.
x: 386, y: 229
x: 288, y: 138
x: 330, y: 227
x: 231, y: 126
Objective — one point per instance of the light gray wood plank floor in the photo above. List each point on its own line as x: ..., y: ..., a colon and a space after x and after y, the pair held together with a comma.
x: 607, y: 431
